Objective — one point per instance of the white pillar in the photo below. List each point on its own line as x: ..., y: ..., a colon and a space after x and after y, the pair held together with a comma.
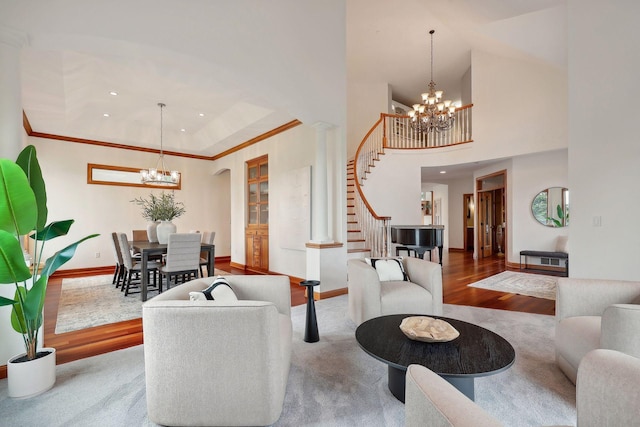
x: 11, y: 132
x: 320, y: 204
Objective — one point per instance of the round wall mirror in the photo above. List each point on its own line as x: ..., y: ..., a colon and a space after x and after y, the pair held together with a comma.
x: 550, y: 207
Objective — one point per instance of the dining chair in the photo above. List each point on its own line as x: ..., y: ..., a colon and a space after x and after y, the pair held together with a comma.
x: 120, y: 268
x: 207, y: 237
x: 183, y: 258
x: 140, y: 236
x: 134, y: 267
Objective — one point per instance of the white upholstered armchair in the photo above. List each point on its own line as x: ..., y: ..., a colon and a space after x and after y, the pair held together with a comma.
x: 370, y: 297
x: 595, y: 313
x: 607, y: 394
x: 218, y: 363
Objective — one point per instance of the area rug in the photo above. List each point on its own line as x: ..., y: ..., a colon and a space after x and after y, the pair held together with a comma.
x: 533, y: 285
x: 91, y: 301
x: 332, y: 382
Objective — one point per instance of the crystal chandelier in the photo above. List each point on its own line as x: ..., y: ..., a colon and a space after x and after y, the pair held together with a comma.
x: 433, y: 113
x: 160, y: 175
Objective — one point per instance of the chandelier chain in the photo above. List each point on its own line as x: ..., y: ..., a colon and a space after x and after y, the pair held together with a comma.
x: 434, y: 113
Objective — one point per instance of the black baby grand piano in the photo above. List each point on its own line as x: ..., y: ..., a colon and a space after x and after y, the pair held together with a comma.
x: 420, y: 238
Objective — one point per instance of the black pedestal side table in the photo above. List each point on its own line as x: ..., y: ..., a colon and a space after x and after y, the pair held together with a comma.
x: 311, y: 328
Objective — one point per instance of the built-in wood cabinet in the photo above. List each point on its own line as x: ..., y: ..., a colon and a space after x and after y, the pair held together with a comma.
x: 257, y: 229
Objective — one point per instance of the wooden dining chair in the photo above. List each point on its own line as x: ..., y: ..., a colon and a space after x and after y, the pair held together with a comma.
x: 183, y: 258
x: 140, y: 236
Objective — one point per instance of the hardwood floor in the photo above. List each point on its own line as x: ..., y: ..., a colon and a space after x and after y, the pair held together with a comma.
x: 459, y: 270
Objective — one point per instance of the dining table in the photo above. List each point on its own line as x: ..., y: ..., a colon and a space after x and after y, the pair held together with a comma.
x: 147, y: 249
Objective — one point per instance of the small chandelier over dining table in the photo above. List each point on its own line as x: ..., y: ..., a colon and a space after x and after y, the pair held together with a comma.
x: 433, y: 113
x: 160, y: 175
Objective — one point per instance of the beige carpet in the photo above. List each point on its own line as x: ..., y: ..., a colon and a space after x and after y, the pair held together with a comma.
x: 91, y: 301
x: 533, y: 285
x: 332, y: 383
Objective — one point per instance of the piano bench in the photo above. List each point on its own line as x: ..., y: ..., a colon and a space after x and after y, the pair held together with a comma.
x: 404, y: 248
x: 550, y: 258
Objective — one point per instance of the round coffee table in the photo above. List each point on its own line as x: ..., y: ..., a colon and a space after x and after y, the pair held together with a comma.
x: 476, y: 352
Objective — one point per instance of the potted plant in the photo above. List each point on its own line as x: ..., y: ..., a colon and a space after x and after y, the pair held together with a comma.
x: 162, y: 208
x: 150, y: 213
x: 23, y: 211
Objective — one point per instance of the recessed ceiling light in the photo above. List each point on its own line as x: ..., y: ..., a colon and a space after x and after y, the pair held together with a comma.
x: 183, y: 130
x: 443, y: 171
x: 106, y: 114
x: 113, y: 93
x: 201, y: 114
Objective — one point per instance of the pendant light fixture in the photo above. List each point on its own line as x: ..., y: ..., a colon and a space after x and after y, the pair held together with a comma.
x: 160, y: 175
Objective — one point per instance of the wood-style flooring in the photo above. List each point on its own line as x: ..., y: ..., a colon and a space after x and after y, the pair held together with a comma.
x: 459, y: 270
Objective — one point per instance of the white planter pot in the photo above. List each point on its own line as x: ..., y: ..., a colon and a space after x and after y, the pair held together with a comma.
x: 30, y: 378
x: 152, y: 231
x: 164, y: 229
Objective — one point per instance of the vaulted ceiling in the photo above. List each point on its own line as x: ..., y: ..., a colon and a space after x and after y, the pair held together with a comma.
x: 232, y: 70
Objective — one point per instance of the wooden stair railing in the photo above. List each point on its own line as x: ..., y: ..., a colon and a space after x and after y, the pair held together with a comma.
x: 394, y: 131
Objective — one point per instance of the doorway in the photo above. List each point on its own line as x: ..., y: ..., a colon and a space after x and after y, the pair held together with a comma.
x: 468, y: 221
x: 491, y: 215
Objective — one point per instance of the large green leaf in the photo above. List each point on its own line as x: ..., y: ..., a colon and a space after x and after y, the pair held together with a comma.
x: 34, y: 302
x: 6, y: 301
x: 55, y: 229
x: 12, y: 266
x: 62, y: 256
x: 28, y: 161
x: 18, y: 320
x: 18, y: 207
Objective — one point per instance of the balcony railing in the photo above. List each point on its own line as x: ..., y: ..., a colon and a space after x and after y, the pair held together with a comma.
x: 393, y: 131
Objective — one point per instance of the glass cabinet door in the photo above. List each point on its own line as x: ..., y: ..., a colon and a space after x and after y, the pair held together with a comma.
x: 264, y: 214
x: 264, y: 192
x: 253, y: 214
x: 253, y: 193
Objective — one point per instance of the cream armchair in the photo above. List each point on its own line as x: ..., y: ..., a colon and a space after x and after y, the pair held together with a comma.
x: 369, y: 297
x: 215, y: 363
x: 591, y: 314
x: 607, y: 394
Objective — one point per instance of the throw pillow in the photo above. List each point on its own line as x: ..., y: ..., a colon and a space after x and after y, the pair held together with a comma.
x: 219, y: 290
x: 388, y: 268
x: 636, y: 300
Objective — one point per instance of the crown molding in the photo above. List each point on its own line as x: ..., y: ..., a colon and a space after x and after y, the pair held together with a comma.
x: 29, y: 130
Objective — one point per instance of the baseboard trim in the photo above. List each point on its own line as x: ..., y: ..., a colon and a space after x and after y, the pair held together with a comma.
x: 78, y: 272
x: 330, y: 294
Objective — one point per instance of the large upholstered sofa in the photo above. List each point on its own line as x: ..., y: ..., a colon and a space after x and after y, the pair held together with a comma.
x: 607, y: 394
x: 370, y: 297
x: 218, y: 363
x: 594, y: 313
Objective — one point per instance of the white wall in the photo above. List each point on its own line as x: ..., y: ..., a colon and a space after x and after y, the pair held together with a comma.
x: 104, y: 208
x: 365, y: 101
x: 519, y: 106
x: 287, y: 151
x: 604, y: 154
x: 457, y: 227
x: 530, y: 175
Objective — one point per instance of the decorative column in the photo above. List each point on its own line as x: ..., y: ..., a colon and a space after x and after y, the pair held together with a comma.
x: 11, y: 132
x: 320, y: 206
x: 326, y: 256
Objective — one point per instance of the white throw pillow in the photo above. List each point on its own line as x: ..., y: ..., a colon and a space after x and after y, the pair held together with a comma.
x: 388, y: 268
x: 219, y: 290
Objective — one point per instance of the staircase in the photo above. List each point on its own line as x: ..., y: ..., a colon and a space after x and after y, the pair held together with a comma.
x: 368, y: 234
x: 356, y: 244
